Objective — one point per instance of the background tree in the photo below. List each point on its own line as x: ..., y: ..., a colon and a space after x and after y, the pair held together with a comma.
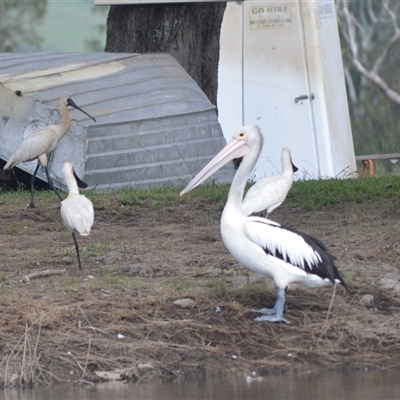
x: 17, y: 24
x: 371, y: 53
x: 96, y: 43
x: 188, y: 31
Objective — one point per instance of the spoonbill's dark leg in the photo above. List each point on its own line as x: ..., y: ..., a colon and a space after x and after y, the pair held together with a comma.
x: 51, y: 184
x: 274, y: 314
x: 32, y: 204
x: 77, y: 250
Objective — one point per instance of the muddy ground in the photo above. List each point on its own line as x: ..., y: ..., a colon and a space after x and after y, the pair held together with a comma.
x: 116, y: 319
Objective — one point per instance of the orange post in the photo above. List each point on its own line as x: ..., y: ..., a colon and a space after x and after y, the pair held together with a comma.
x: 365, y: 163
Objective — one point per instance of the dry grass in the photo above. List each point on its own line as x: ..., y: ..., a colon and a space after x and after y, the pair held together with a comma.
x: 139, y: 260
x: 75, y: 335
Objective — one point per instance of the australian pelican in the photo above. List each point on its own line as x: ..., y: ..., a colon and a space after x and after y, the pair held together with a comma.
x: 266, y: 247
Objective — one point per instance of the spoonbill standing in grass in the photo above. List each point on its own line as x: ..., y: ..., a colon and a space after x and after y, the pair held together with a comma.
x: 266, y: 247
x: 76, y: 210
x: 42, y: 142
x: 269, y: 193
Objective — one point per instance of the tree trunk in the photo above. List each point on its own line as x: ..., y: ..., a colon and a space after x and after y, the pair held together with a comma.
x: 188, y: 31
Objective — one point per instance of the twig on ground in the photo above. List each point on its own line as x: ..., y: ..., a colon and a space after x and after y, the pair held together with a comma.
x: 41, y: 274
x: 87, y: 359
x: 325, y: 326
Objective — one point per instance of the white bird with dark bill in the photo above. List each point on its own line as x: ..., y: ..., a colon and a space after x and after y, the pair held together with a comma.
x: 42, y: 143
x: 266, y: 247
x: 76, y: 210
x: 269, y: 193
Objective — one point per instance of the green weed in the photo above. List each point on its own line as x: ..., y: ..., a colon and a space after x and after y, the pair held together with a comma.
x: 308, y: 194
x: 4, y: 281
x: 312, y: 194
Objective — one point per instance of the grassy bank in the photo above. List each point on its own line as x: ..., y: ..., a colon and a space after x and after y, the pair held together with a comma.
x: 150, y: 248
x: 306, y: 194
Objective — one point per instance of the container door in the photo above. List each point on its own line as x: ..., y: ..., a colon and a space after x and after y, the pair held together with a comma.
x: 281, y: 69
x: 276, y: 94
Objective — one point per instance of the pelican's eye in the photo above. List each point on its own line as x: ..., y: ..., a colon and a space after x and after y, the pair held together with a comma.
x: 241, y: 135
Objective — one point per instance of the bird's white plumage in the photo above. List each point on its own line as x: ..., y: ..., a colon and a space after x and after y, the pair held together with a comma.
x: 33, y: 147
x: 270, y: 192
x: 76, y: 210
x: 43, y: 141
x: 248, y: 238
x: 269, y: 235
x: 77, y: 214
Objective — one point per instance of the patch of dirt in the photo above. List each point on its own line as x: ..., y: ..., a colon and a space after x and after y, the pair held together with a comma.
x: 118, y: 314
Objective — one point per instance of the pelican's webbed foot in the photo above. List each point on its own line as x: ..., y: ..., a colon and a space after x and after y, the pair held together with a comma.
x: 274, y: 314
x: 272, y: 318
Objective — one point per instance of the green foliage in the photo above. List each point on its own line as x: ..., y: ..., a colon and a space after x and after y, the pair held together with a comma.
x: 313, y: 194
x: 217, y: 289
x: 167, y: 194
x: 17, y: 24
x: 375, y: 125
x: 161, y: 197
x: 374, y: 118
x: 95, y: 44
x: 4, y: 281
x: 211, y: 192
x: 308, y: 194
x: 41, y: 25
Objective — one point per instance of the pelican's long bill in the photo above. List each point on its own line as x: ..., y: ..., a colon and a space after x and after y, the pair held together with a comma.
x: 236, y: 148
x: 71, y: 103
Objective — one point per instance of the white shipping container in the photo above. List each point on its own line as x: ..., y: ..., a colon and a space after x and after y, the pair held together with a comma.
x: 281, y: 69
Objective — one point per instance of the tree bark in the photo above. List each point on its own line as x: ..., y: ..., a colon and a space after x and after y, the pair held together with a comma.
x: 188, y: 31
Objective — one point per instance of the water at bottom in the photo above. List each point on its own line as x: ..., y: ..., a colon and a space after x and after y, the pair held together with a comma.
x: 369, y: 385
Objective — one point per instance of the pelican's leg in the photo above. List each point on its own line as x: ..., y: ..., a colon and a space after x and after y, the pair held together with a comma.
x: 32, y: 204
x: 77, y: 250
x: 51, y: 184
x: 274, y: 314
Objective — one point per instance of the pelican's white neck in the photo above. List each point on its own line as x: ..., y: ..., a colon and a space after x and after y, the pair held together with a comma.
x: 239, y: 181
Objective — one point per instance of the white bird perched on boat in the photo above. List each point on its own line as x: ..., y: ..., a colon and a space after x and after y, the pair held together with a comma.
x: 269, y: 193
x: 76, y: 210
x: 42, y: 142
x: 266, y: 247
